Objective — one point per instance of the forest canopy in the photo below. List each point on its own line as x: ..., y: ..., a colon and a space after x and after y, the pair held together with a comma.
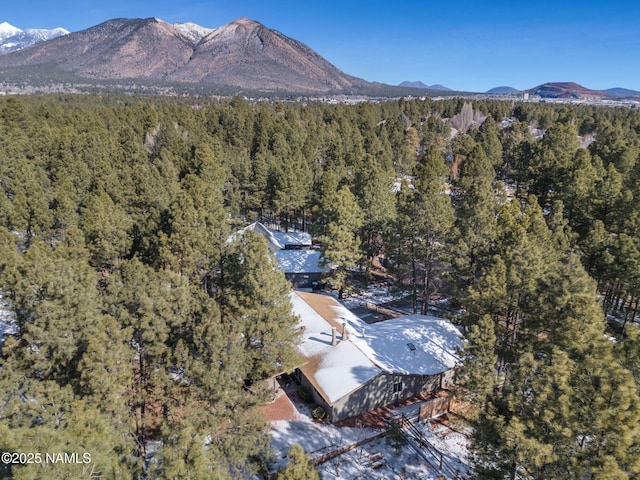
x: 145, y: 329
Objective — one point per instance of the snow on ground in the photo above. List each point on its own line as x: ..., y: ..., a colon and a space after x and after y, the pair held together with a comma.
x: 379, y: 460
x: 376, y: 294
x: 389, y: 300
x: 374, y: 460
x: 316, y: 438
x: 7, y: 320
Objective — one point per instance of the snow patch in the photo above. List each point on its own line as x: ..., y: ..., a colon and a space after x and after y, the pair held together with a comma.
x: 192, y: 31
x: 7, y: 319
x: 42, y: 34
x: 230, y: 29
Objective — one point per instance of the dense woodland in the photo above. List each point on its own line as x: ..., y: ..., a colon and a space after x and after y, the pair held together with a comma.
x: 146, y: 329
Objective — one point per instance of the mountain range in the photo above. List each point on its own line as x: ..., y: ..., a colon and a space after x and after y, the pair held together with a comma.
x: 559, y: 90
x: 242, y: 54
x: 13, y: 38
x: 419, y: 84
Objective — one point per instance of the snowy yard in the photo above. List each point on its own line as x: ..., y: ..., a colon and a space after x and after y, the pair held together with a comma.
x: 379, y: 293
x: 380, y: 301
x: 376, y: 459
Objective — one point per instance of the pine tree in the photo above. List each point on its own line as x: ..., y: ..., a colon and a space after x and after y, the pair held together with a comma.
x: 476, y: 205
x: 47, y: 404
x: 551, y: 159
x: 299, y: 466
x: 567, y: 409
x: 489, y: 139
x: 107, y: 230
x: 478, y: 373
x: 373, y: 188
x: 256, y: 305
x: 195, y: 229
x: 421, y: 231
x: 340, y: 243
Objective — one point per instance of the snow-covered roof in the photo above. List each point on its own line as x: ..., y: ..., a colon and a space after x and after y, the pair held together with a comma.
x: 280, y: 240
x: 300, y: 261
x: 283, y: 239
x: 335, y: 371
x: 302, y: 239
x: 414, y: 344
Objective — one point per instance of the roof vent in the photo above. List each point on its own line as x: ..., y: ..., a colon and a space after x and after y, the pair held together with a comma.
x: 411, y: 346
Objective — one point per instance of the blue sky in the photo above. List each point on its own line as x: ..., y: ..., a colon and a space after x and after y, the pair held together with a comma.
x: 464, y: 45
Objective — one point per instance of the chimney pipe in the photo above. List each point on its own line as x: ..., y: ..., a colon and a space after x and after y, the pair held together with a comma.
x: 334, y: 340
x: 345, y: 334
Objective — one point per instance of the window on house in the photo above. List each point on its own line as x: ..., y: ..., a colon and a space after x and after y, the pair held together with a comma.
x: 397, y: 387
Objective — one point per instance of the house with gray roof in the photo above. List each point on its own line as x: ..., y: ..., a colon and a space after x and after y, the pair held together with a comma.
x: 302, y: 265
x: 351, y: 367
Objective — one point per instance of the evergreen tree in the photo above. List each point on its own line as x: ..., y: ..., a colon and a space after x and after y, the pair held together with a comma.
x: 195, y: 228
x: 47, y: 404
x: 299, y: 466
x: 373, y: 188
x: 421, y: 231
x: 551, y: 159
x: 107, y: 230
x: 554, y: 416
x: 475, y: 203
x: 340, y: 243
x: 614, y: 144
x: 489, y: 138
x: 478, y: 374
x: 255, y: 304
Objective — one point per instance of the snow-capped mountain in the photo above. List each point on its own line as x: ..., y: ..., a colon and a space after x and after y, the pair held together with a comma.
x: 12, y: 38
x: 7, y: 31
x: 243, y: 53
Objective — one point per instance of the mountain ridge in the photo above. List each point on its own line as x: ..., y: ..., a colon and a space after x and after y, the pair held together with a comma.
x: 565, y: 90
x: 419, y: 84
x: 621, y: 92
x: 243, y: 53
x: 503, y: 90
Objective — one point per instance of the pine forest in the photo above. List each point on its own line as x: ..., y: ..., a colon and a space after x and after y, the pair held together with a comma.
x: 146, y: 328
